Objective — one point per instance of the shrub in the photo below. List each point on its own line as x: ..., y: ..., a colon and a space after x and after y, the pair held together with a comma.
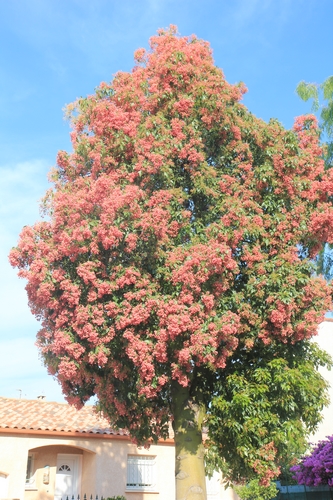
x: 254, y: 491
x: 317, y: 468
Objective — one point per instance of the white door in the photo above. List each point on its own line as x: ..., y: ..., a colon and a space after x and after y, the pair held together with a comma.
x: 67, y: 477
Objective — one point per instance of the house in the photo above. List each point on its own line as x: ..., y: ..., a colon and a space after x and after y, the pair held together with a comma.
x: 49, y: 451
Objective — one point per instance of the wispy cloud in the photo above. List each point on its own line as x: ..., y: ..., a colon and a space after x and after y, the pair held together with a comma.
x: 87, y: 35
x: 20, y: 188
x: 22, y: 185
x: 245, y: 12
x: 245, y: 15
x: 22, y: 372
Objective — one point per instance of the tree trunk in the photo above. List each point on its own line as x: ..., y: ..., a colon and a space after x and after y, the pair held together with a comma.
x: 188, y: 413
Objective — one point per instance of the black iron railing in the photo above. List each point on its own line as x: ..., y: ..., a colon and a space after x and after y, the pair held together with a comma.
x: 92, y: 497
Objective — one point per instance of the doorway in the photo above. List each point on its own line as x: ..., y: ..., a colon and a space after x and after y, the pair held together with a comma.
x: 68, y: 476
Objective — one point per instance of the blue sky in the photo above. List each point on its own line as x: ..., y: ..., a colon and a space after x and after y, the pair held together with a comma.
x: 53, y: 51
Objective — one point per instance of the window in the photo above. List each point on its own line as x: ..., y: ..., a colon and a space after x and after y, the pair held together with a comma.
x: 141, y: 472
x: 30, y: 476
x: 64, y: 468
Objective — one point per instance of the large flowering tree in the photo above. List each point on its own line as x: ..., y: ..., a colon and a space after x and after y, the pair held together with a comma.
x: 172, y: 275
x: 317, y: 468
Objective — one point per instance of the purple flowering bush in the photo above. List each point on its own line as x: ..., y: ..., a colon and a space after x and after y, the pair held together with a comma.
x: 317, y: 468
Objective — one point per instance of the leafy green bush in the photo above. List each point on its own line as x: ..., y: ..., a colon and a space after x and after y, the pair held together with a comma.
x: 253, y: 491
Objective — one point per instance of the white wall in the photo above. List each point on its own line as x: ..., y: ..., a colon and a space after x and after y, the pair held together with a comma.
x: 325, y: 341
x: 3, y: 485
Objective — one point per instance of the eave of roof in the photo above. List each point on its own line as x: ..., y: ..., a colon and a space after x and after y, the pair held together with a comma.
x: 51, y: 419
x: 77, y: 435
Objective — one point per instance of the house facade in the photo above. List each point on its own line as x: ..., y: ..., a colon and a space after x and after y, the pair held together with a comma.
x: 50, y: 451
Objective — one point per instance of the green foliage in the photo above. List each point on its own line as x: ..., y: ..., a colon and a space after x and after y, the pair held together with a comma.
x: 264, y: 400
x: 254, y: 491
x: 314, y: 92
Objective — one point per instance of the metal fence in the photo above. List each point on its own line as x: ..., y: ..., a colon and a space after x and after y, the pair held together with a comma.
x: 91, y: 497
x: 305, y: 493
x: 85, y: 497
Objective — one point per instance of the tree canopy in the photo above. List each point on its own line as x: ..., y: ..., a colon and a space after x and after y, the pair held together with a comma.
x: 263, y: 400
x: 172, y: 274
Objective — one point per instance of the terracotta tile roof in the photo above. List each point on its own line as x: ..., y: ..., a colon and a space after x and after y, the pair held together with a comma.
x: 49, y: 416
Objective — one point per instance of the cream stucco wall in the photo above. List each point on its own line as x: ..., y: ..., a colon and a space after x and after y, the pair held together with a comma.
x: 13, y: 461
x: 104, y: 465
x: 325, y: 341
